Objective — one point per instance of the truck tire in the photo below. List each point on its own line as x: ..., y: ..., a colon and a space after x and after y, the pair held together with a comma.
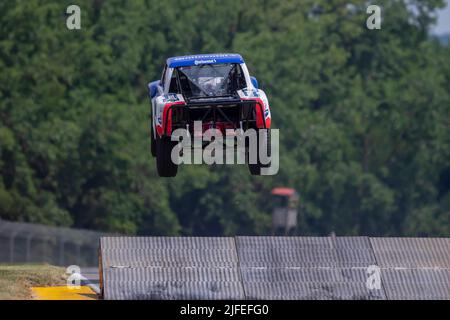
x: 164, y: 164
x: 255, y: 169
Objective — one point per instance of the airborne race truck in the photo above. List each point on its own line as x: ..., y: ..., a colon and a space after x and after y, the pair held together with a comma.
x: 215, y: 89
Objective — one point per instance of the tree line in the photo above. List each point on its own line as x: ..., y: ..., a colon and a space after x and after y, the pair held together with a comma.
x: 364, y: 116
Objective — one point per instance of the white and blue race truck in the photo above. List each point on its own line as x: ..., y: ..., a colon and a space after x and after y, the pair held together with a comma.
x: 215, y: 89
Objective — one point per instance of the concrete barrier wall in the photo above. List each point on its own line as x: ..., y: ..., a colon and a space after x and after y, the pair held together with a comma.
x: 275, y: 268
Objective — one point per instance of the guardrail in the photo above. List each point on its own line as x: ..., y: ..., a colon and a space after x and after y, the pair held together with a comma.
x: 36, y: 243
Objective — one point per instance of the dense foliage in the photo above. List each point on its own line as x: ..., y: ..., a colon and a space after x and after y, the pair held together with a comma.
x: 364, y: 116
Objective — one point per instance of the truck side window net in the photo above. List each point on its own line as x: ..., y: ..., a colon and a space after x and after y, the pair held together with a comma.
x: 173, y: 87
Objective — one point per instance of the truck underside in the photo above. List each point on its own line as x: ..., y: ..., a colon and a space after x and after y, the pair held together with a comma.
x: 221, y: 115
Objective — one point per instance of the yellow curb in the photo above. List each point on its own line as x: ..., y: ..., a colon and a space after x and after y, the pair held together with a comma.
x: 63, y: 293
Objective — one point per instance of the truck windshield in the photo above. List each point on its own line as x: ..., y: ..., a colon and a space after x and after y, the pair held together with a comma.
x: 210, y: 80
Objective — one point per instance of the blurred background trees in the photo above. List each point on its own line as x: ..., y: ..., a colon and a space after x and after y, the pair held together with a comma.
x: 364, y: 116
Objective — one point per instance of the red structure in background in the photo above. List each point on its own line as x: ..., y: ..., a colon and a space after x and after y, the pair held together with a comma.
x: 281, y: 191
x: 284, y: 215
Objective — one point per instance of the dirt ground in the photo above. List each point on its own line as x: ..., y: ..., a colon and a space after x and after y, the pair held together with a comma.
x: 16, y: 280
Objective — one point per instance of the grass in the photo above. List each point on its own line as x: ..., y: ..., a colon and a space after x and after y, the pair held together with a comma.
x: 16, y: 280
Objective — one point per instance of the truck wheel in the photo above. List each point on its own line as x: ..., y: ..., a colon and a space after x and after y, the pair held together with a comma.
x: 255, y: 169
x: 164, y: 164
x: 152, y: 142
